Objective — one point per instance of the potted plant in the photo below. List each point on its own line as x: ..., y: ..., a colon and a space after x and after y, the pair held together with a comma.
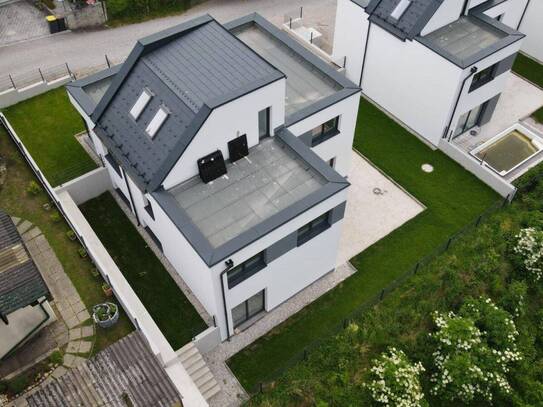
x: 95, y: 273
x: 82, y: 252
x: 108, y: 291
x: 71, y: 235
x: 105, y: 315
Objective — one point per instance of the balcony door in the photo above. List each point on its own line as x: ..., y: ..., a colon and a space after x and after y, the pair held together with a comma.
x: 469, y: 120
x: 248, y: 309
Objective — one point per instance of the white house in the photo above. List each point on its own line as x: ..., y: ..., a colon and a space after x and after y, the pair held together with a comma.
x: 530, y: 24
x: 231, y: 146
x: 438, y: 66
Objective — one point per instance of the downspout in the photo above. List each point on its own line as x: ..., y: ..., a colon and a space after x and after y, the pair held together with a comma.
x: 523, y: 14
x: 365, y: 53
x: 465, y: 7
x: 28, y: 335
x: 229, y: 265
x: 130, y: 195
x: 472, y: 72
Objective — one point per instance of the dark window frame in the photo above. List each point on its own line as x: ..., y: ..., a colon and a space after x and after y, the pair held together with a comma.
x: 248, y: 315
x: 246, y: 269
x: 268, y: 126
x: 313, y: 229
x: 148, y: 208
x: 323, y: 133
x: 483, y: 77
x: 477, y: 121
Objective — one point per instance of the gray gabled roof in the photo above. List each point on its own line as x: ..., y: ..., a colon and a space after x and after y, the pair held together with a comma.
x: 410, y: 24
x: 126, y: 370
x: 21, y: 283
x: 190, y: 69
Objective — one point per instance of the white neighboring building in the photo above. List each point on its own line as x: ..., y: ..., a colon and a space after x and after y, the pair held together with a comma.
x: 231, y: 146
x: 531, y: 24
x: 438, y: 66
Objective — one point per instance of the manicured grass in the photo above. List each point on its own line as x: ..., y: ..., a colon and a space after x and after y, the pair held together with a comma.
x: 453, y: 197
x: 529, y: 69
x: 17, y: 202
x: 122, y: 12
x: 538, y: 115
x: 172, y: 312
x: 47, y: 124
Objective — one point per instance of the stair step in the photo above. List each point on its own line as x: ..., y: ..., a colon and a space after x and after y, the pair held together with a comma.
x: 209, y: 389
x: 207, y: 376
x: 192, y: 360
x: 198, y: 374
x: 195, y: 367
x: 187, y: 354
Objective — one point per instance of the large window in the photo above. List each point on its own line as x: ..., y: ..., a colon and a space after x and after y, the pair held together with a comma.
x: 264, y: 123
x: 313, y: 228
x: 248, y: 309
x: 469, y: 120
x: 483, y: 77
x: 245, y: 270
x: 140, y: 104
x: 157, y: 121
x: 325, y: 131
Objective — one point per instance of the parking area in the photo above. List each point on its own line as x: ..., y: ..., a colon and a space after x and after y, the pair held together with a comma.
x: 20, y: 21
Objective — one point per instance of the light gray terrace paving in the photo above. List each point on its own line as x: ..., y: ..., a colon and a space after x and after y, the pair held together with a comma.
x: 256, y: 187
x: 466, y: 37
x: 305, y: 84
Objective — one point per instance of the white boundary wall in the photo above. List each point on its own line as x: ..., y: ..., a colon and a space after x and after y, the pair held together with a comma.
x: 132, y: 305
x: 493, y: 180
x: 14, y: 96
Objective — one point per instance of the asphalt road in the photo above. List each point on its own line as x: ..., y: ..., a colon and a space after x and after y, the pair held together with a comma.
x: 85, y: 50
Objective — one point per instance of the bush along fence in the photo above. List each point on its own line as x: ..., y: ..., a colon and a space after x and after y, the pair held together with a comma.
x: 416, y: 268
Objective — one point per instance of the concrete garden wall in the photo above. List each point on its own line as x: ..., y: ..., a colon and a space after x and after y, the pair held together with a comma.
x: 13, y: 95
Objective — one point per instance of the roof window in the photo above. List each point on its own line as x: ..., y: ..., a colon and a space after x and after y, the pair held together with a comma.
x: 400, y: 9
x: 157, y: 121
x: 140, y: 104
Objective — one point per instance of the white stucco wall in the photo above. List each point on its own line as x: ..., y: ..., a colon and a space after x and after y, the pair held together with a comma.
x: 350, y: 36
x: 338, y: 147
x: 512, y: 12
x: 228, y: 122
x: 532, y: 26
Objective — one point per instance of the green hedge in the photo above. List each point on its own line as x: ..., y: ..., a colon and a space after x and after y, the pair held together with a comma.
x: 142, y: 9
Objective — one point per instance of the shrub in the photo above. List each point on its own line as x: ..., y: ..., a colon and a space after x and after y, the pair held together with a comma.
x: 55, y: 217
x: 33, y: 188
x: 395, y: 380
x: 18, y: 384
x: 56, y: 358
x: 530, y: 248
x: 474, y: 352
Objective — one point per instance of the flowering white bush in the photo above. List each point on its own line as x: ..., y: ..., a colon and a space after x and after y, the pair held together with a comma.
x: 395, y: 380
x: 530, y: 248
x: 474, y: 351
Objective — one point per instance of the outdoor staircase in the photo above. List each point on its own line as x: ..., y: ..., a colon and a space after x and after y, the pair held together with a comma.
x: 194, y: 363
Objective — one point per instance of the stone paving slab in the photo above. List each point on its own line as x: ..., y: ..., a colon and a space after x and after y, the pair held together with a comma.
x: 87, y: 331
x: 59, y: 372
x: 21, y: 21
x: 24, y: 227
x: 15, y: 220
x: 75, y: 333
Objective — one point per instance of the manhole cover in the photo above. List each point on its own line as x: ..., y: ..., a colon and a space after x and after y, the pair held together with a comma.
x: 427, y: 168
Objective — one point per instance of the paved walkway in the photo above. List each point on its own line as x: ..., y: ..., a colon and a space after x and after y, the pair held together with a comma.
x: 85, y: 49
x: 20, y: 21
x: 73, y: 329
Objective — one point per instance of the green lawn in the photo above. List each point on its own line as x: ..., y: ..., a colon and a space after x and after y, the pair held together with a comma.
x: 538, y: 115
x: 173, y: 313
x: 122, y: 12
x: 17, y: 202
x: 47, y: 124
x: 453, y: 197
x: 530, y: 69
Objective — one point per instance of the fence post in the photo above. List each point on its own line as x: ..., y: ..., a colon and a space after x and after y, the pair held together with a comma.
x: 301, y: 12
x: 416, y: 267
x: 68, y: 69
x: 311, y: 39
x: 290, y: 23
x: 448, y: 244
x: 478, y: 220
x: 107, y: 61
x: 12, y: 83
x: 344, y: 61
x: 382, y: 295
x: 41, y: 74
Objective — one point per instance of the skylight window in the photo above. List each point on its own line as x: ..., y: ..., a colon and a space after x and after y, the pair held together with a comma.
x: 157, y: 121
x: 398, y: 12
x: 140, y: 104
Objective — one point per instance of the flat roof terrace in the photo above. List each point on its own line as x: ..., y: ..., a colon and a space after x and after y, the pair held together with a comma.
x: 470, y: 39
x: 268, y: 180
x: 305, y: 83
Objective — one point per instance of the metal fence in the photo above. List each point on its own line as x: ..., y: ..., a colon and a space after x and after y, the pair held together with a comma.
x: 302, y: 355
x: 17, y: 81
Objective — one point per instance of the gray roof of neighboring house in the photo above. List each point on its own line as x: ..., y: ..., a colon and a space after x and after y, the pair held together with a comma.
x: 126, y: 369
x: 410, y: 24
x: 21, y: 283
x: 190, y: 69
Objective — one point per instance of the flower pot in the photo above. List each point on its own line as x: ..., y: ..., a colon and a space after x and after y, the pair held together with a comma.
x: 105, y: 315
x: 108, y: 291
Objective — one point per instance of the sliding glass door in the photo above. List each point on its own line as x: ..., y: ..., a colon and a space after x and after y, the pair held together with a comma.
x: 248, y: 309
x: 469, y: 120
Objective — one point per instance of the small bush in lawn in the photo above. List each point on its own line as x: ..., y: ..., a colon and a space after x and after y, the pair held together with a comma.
x: 395, y: 380
x: 55, y: 217
x: 530, y: 249
x: 56, y: 358
x: 33, y: 188
x: 474, y: 352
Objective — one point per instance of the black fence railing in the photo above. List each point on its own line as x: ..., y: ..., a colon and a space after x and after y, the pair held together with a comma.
x: 302, y: 355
